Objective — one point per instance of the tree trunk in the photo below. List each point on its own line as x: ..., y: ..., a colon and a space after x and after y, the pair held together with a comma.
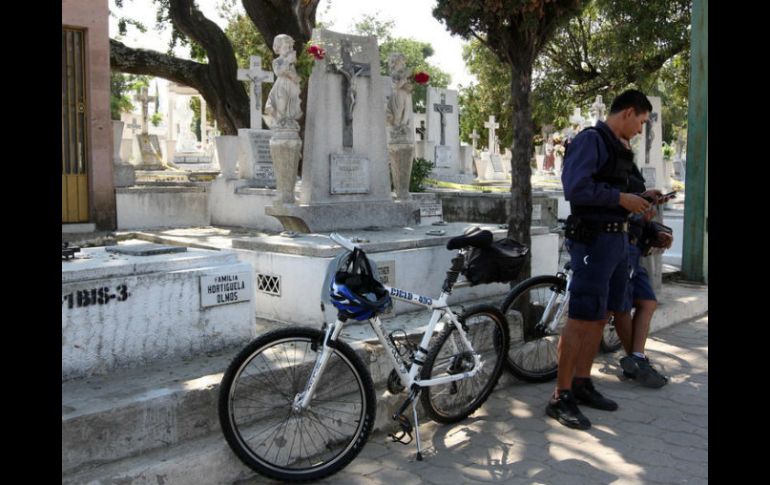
x: 520, y: 218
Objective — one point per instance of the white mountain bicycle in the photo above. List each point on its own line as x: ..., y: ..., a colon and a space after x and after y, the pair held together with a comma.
x: 298, y: 403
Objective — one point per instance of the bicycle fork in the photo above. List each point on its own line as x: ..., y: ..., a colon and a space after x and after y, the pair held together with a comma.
x: 302, y: 400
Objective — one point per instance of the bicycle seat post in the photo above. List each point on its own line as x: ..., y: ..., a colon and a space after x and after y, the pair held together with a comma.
x: 458, y: 262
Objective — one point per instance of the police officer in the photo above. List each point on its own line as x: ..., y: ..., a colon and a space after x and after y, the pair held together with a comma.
x: 633, y: 333
x: 596, y: 183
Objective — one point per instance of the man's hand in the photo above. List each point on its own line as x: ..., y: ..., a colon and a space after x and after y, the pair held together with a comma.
x: 653, y: 195
x: 633, y: 203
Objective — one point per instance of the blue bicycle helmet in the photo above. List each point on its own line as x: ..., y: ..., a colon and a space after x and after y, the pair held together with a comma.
x: 355, y: 292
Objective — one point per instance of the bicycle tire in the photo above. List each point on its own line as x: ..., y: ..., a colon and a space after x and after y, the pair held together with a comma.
x: 488, y: 334
x: 256, y: 414
x: 532, y: 355
x: 610, y: 341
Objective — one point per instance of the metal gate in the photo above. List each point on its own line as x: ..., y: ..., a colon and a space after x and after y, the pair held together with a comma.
x: 74, y: 133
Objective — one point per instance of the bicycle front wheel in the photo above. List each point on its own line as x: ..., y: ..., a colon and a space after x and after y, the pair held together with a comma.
x: 487, y: 333
x: 533, y: 353
x: 264, y: 428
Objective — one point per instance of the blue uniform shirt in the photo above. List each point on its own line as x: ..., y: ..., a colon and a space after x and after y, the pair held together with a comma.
x: 586, y: 155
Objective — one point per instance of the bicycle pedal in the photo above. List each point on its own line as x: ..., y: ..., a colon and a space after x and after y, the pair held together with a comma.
x: 394, y: 383
x: 406, y: 430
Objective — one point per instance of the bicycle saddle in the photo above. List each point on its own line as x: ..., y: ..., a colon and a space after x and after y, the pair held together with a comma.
x: 477, y: 239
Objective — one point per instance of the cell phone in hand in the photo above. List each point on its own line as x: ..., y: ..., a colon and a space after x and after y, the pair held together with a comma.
x: 669, y: 195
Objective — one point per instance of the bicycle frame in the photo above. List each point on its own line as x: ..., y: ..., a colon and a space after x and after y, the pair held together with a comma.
x: 410, y: 377
x: 562, y: 306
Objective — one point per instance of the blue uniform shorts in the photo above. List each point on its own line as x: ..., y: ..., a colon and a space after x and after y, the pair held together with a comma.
x: 640, y: 287
x: 600, y: 277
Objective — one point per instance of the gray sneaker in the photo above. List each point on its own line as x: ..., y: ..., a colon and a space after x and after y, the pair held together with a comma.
x: 641, y: 370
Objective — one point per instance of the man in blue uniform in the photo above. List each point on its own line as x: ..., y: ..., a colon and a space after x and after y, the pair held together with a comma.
x: 633, y: 333
x: 596, y: 183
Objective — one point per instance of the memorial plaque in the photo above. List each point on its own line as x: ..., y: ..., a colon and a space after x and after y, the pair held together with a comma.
x: 225, y: 288
x: 259, y: 144
x: 386, y: 270
x: 497, y: 164
x: 431, y: 209
x: 443, y: 156
x: 537, y: 212
x: 349, y: 174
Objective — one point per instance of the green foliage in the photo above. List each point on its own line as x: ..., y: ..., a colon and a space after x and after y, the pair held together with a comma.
x: 120, y: 102
x: 668, y: 151
x: 490, y: 97
x: 416, y: 54
x: 420, y: 170
x: 155, y: 119
x: 611, y: 46
x: 121, y: 88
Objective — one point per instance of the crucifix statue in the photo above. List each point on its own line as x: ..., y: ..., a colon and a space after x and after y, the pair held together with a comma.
x: 145, y: 100
x: 442, y: 109
x: 350, y: 71
x: 257, y: 77
x: 492, y: 137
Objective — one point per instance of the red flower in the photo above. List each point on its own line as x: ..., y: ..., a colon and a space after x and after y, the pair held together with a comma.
x: 421, y: 77
x: 317, y: 52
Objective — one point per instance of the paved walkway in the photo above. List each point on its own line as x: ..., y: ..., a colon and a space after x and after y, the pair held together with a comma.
x: 657, y: 435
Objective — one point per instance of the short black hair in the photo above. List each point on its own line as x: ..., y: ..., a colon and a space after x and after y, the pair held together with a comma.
x: 631, y: 98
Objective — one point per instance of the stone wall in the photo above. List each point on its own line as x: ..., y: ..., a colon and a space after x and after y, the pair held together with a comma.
x: 92, y: 15
x: 494, y: 208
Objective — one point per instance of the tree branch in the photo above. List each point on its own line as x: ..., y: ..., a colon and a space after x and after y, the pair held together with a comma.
x: 143, y: 61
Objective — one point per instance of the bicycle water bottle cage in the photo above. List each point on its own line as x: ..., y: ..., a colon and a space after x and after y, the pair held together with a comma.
x: 478, y: 239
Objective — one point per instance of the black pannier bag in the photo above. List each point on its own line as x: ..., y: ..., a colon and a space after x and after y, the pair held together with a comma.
x: 498, y: 263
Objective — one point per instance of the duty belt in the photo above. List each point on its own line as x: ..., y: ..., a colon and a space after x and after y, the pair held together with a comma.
x: 614, y: 226
x: 621, y: 226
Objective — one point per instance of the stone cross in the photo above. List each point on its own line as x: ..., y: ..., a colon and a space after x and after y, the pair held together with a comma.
x: 421, y: 130
x: 492, y: 138
x: 442, y: 109
x: 134, y: 125
x: 145, y: 100
x: 257, y: 77
x: 597, y: 109
x: 577, y: 117
x: 474, y: 138
x: 350, y: 71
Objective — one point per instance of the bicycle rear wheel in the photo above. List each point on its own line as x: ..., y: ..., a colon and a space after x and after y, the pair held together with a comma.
x: 487, y: 332
x: 264, y: 429
x: 533, y: 352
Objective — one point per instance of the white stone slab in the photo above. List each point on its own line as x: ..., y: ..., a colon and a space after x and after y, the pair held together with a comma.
x: 122, y: 311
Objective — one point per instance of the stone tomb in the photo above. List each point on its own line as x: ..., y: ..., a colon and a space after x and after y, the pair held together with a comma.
x: 290, y: 271
x: 139, y: 303
x: 346, y: 177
